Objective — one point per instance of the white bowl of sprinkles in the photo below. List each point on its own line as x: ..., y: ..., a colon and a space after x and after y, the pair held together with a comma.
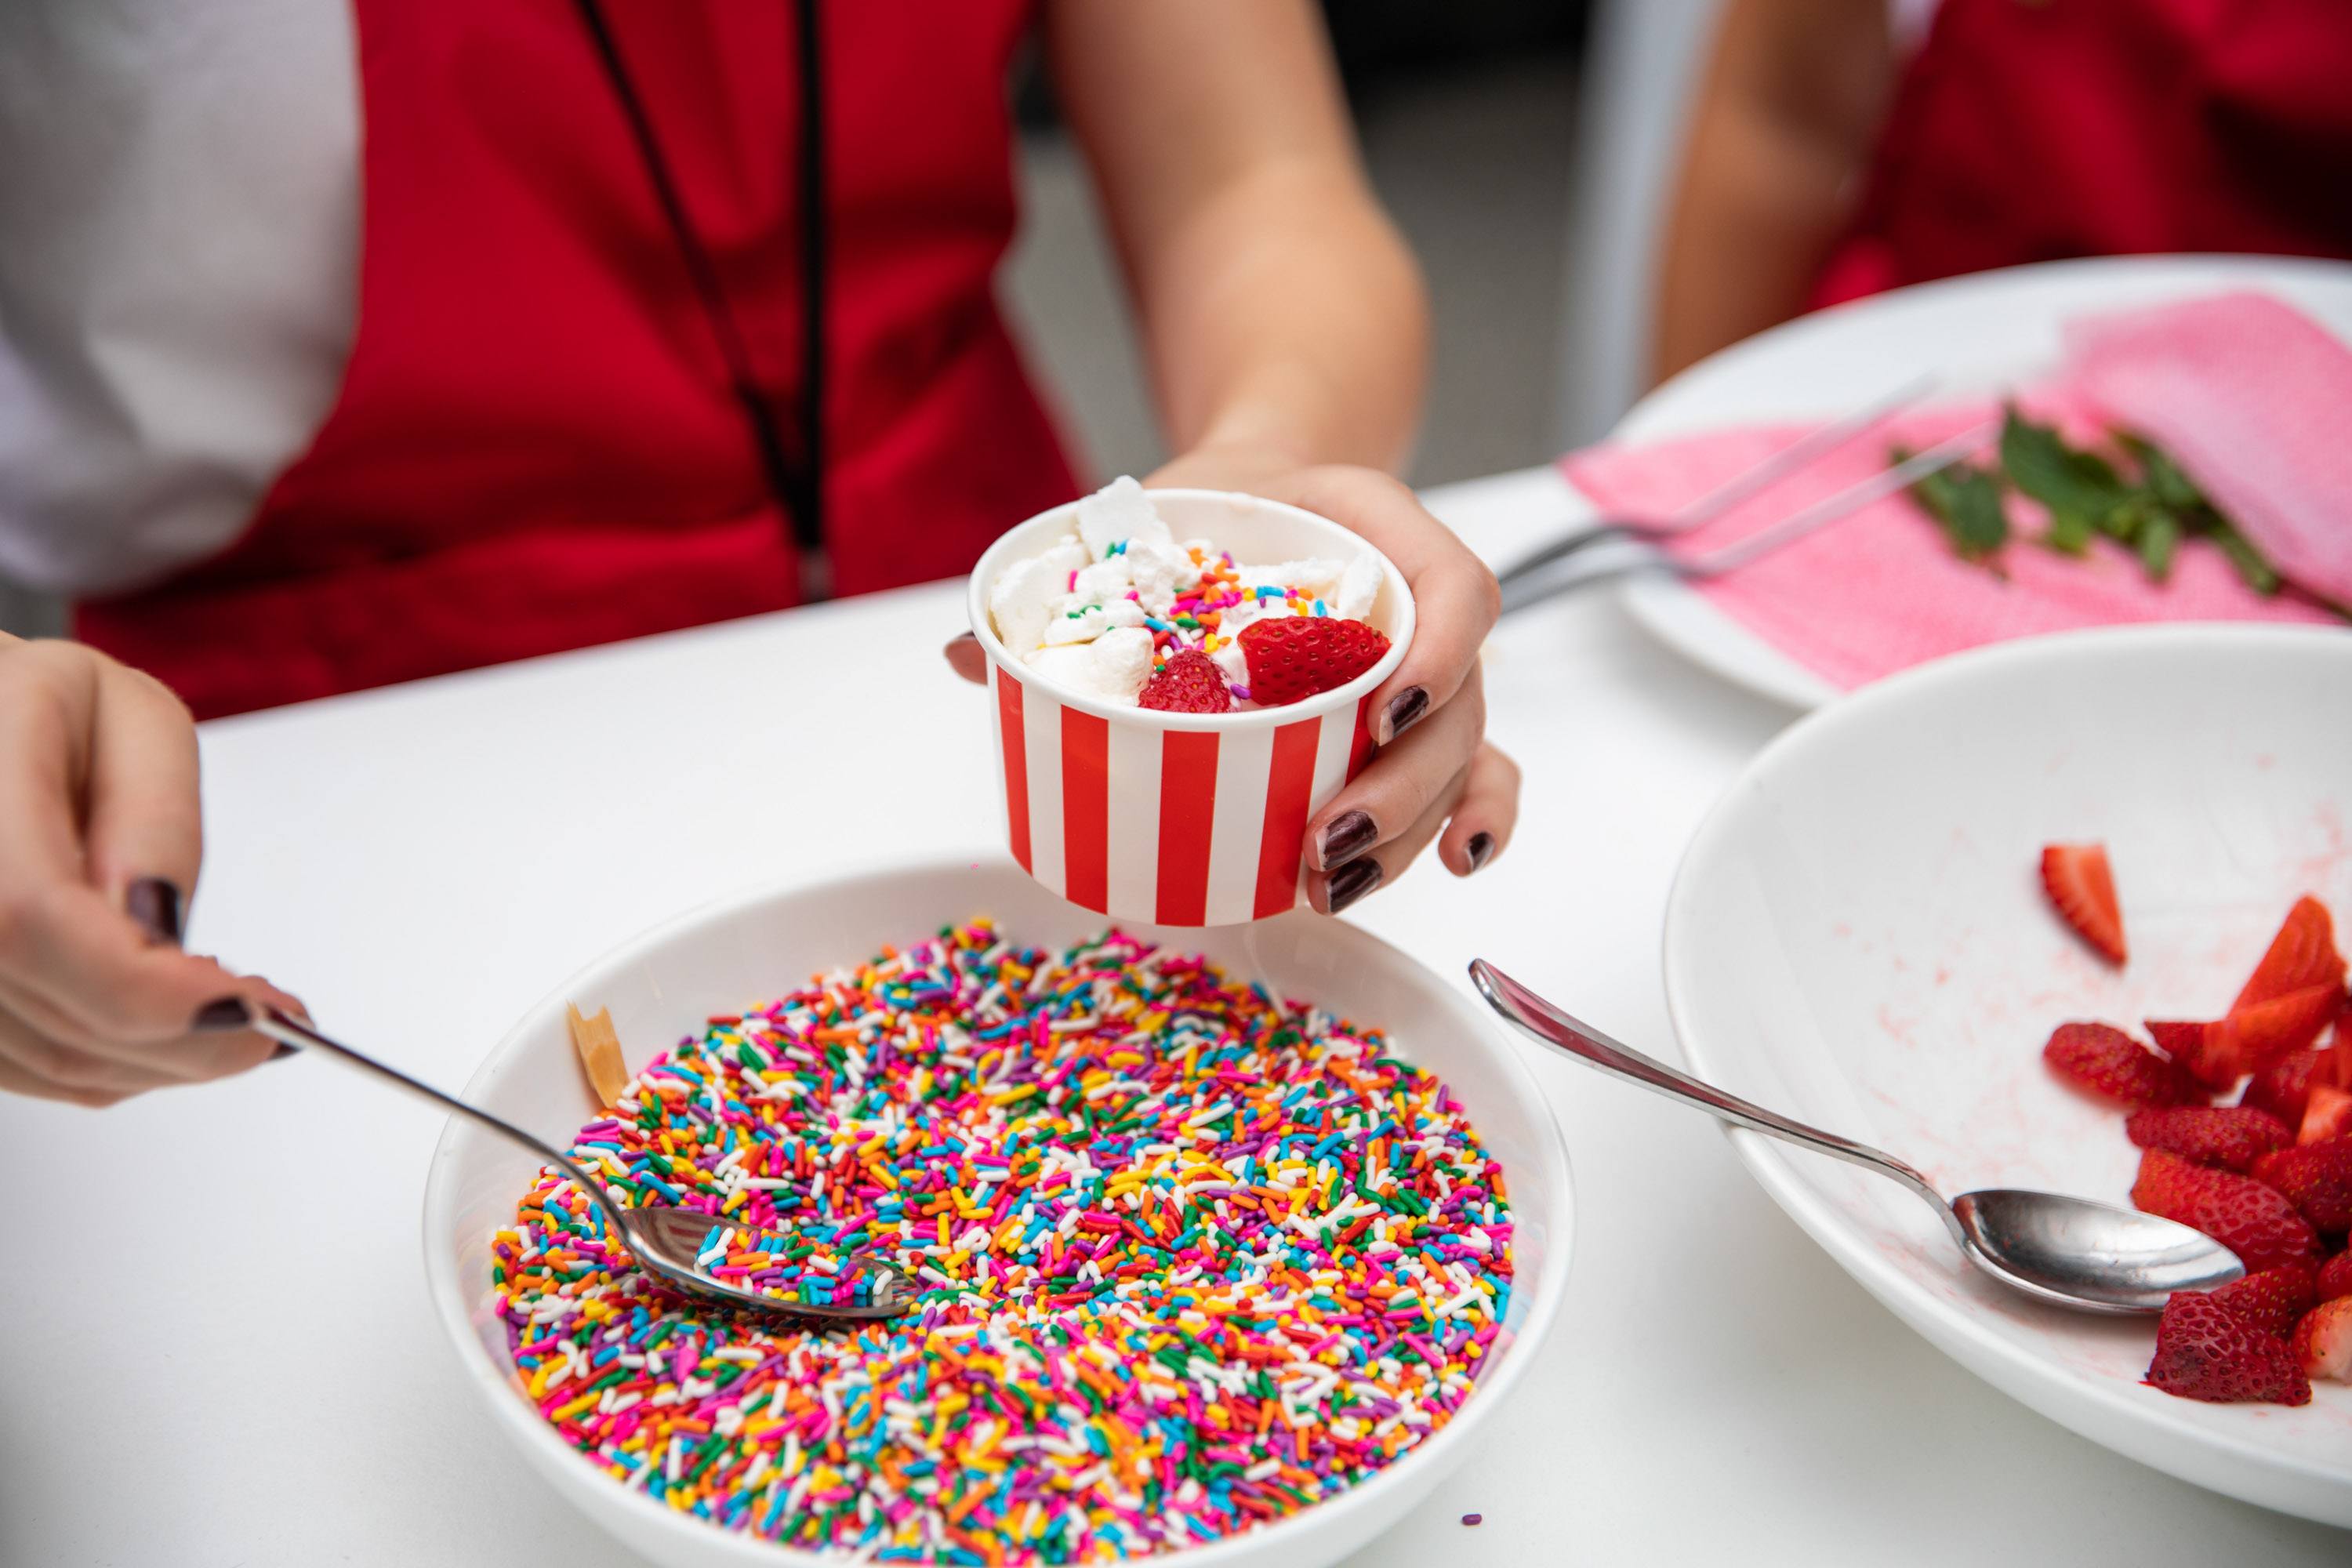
x: 748, y: 948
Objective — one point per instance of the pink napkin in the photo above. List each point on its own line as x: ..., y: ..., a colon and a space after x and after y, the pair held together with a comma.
x: 2253, y: 399
x: 1880, y: 590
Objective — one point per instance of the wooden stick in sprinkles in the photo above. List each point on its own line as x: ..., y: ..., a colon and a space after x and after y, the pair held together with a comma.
x: 1187, y: 1264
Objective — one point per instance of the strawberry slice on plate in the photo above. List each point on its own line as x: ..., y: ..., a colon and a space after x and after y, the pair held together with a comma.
x: 2274, y: 1301
x: 2251, y: 1038
x: 2106, y: 1061
x: 2301, y: 955
x: 2204, y: 1351
x: 2231, y: 1136
x: 2249, y: 1217
x: 2322, y: 1343
x: 2077, y: 879
x: 2282, y: 1088
x: 2316, y: 1178
x: 2327, y: 1114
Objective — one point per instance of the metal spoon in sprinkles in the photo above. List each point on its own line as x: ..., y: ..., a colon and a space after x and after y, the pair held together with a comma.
x: 677, y: 1246
x: 2070, y: 1252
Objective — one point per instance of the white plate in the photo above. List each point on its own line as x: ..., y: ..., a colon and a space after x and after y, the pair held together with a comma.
x: 726, y: 955
x: 1857, y: 937
x: 1983, y: 331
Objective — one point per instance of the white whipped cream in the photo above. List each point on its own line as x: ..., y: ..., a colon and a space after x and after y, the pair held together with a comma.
x: 1075, y: 612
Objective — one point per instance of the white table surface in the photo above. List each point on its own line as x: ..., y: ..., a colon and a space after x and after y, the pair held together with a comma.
x: 220, y: 1352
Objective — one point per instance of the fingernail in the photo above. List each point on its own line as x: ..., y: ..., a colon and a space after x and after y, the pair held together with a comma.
x: 1351, y: 834
x: 1482, y: 849
x: 1405, y: 711
x: 1352, y: 881
x: 156, y: 905
x: 282, y: 1052
x: 228, y: 1012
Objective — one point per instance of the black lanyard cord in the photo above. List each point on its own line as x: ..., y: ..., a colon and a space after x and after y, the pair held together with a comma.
x: 797, y: 487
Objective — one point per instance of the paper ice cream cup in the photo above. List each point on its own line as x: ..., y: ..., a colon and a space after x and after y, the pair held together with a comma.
x: 1178, y: 819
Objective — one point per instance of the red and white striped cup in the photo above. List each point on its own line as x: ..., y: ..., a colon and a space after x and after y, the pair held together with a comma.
x: 1178, y: 819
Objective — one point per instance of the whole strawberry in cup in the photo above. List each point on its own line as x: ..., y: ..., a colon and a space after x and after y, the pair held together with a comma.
x: 1179, y: 681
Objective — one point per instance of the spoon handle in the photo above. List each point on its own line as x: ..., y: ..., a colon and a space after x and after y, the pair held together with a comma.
x: 1541, y: 1021
x: 289, y: 1030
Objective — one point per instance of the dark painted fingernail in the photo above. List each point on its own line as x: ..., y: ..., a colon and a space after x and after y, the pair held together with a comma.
x: 282, y: 1052
x: 1351, y: 834
x: 156, y: 905
x: 228, y: 1012
x: 1352, y: 881
x: 1405, y: 709
x: 1482, y: 849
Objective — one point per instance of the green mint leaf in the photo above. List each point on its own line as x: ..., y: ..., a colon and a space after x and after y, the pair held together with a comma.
x: 1965, y: 502
x: 2257, y: 573
x: 2159, y: 536
x: 2082, y: 490
x: 2161, y: 475
x: 2070, y: 533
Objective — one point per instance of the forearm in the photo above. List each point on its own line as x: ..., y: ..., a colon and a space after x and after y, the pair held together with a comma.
x: 1278, y: 306
x: 1757, y: 211
x: 1285, y: 314
x: 1782, y: 135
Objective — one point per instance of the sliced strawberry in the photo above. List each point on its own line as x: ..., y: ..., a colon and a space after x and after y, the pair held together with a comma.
x: 2272, y: 1300
x: 2335, y: 1278
x: 2316, y: 1178
x: 1189, y: 682
x: 2303, y: 954
x: 2106, y: 1061
x: 2241, y: 1213
x: 2251, y: 1039
x: 2203, y: 1350
x: 2282, y: 1087
x: 2322, y: 1342
x: 2079, y: 883
x: 1294, y: 657
x: 2228, y: 1135
x: 2327, y: 1114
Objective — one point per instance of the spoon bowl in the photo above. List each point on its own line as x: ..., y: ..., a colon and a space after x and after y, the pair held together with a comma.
x: 679, y: 1246
x: 2067, y: 1251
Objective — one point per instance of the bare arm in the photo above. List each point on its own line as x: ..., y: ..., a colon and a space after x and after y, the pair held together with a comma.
x: 1782, y: 131
x: 1278, y: 305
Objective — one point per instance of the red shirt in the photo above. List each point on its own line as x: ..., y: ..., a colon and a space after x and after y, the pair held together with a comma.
x: 538, y: 445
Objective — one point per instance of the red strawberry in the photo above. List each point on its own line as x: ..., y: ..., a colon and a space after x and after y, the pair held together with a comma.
x: 2106, y: 1060
x: 2204, y: 1351
x: 2271, y: 1300
x: 2241, y: 1213
x: 2322, y: 1344
x: 2327, y: 1114
x: 2302, y: 954
x: 2282, y: 1087
x: 2316, y: 1178
x: 2228, y: 1135
x: 1189, y: 682
x: 1294, y: 657
x: 2078, y: 881
x: 2335, y: 1278
x: 2227, y: 1049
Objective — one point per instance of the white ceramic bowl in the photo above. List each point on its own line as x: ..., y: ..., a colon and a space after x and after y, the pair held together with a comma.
x: 752, y: 947
x: 1857, y: 936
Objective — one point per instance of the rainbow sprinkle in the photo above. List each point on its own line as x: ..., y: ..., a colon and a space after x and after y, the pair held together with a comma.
x: 1193, y: 620
x: 1189, y: 1262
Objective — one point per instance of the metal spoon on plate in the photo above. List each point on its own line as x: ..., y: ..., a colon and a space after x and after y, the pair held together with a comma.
x: 667, y: 1242
x: 2094, y: 1258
